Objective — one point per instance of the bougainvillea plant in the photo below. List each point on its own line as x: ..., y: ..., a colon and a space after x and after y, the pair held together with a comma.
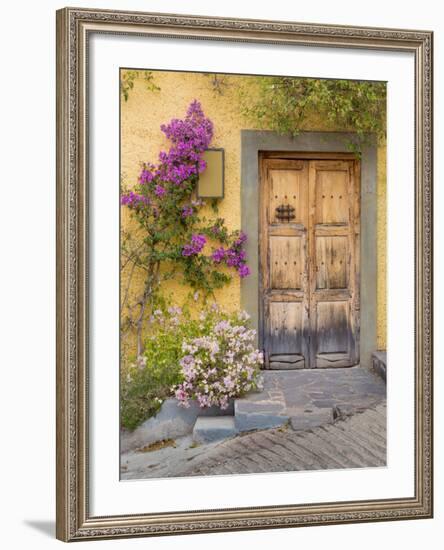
x: 172, y: 237
x: 221, y: 363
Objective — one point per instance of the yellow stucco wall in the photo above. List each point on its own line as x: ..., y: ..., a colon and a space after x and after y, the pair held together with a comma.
x: 141, y: 140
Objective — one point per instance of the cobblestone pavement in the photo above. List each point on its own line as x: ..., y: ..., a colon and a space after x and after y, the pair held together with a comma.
x: 355, y: 441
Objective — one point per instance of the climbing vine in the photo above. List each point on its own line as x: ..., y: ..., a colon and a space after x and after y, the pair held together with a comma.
x: 284, y: 104
x: 172, y: 236
x: 219, y: 83
x: 128, y: 77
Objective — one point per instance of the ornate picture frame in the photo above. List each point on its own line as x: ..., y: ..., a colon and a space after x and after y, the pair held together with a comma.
x: 74, y: 519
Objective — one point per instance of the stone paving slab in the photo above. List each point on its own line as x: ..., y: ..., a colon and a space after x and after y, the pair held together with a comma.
x: 207, y: 428
x: 307, y: 419
x: 308, y: 397
x: 260, y: 415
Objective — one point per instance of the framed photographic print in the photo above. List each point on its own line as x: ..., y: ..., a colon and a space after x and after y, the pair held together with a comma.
x: 244, y: 274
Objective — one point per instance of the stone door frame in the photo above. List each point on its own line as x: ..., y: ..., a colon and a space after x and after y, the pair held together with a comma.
x: 255, y: 141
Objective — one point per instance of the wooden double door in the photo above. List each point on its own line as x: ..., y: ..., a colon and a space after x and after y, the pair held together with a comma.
x: 309, y: 261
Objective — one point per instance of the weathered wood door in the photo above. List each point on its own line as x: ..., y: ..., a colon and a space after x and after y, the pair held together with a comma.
x: 309, y: 255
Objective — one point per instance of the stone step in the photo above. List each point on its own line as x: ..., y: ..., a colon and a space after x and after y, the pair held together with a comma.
x: 170, y: 422
x: 213, y: 428
x: 379, y: 363
x: 259, y: 415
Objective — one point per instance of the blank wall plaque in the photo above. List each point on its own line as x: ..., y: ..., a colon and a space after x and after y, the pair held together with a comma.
x: 211, y: 180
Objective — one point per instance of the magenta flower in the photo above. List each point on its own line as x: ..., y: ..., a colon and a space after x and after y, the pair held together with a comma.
x: 201, y: 165
x: 240, y: 240
x: 218, y: 255
x: 187, y: 250
x: 232, y: 258
x: 243, y: 271
x: 198, y: 241
x: 133, y: 200
x: 146, y: 176
x: 159, y: 191
x: 197, y: 244
x: 187, y: 211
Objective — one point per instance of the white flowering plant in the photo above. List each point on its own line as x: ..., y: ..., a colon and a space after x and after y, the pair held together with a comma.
x: 221, y: 363
x: 208, y: 356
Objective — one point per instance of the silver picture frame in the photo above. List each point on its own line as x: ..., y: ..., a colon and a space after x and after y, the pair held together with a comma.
x: 74, y: 521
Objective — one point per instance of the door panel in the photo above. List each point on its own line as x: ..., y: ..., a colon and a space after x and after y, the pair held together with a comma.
x: 332, y: 333
x: 287, y: 188
x: 286, y: 262
x: 333, y: 232
x: 309, y: 255
x: 284, y: 266
x: 331, y: 193
x: 331, y: 262
x: 286, y: 335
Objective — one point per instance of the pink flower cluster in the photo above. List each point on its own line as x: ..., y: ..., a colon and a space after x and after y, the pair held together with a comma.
x: 187, y: 211
x: 190, y: 137
x: 133, y: 199
x: 234, y: 256
x: 165, y: 190
x: 196, y: 246
x: 221, y: 365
